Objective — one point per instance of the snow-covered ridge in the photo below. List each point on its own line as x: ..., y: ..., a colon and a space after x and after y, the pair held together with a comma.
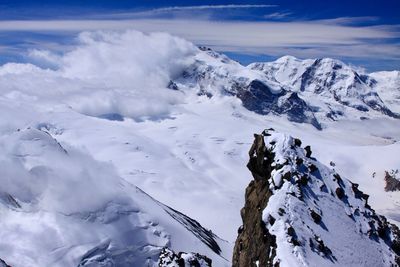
x: 315, y: 217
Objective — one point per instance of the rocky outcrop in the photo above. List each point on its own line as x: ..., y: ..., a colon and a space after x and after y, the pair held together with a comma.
x: 299, y: 212
x: 255, y: 246
x: 392, y: 184
x: 169, y: 258
x: 258, y: 97
x: 3, y: 264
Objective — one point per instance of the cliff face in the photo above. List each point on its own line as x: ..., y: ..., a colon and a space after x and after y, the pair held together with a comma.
x: 254, y: 243
x: 299, y: 212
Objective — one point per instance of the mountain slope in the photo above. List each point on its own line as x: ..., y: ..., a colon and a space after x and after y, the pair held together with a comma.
x: 215, y: 74
x: 387, y: 84
x: 303, y: 91
x: 335, y: 85
x: 60, y: 206
x: 310, y: 215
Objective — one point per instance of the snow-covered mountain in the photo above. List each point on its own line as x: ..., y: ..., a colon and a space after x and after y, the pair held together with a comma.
x: 387, y: 84
x: 299, y: 212
x: 132, y: 142
x: 305, y: 91
x: 329, y: 85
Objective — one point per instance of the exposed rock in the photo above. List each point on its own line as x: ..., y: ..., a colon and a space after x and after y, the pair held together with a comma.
x: 299, y: 161
x: 171, y: 85
x: 339, y: 192
x: 303, y: 180
x: 315, y: 216
x: 297, y: 142
x: 259, y: 159
x: 3, y: 264
x: 255, y: 243
x: 169, y: 258
x: 308, y: 151
x: 312, y: 167
x: 392, y: 184
x: 9, y: 200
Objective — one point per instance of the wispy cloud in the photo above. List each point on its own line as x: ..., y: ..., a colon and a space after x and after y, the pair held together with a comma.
x: 278, y: 15
x: 179, y: 10
x: 203, y: 7
x: 239, y: 33
x: 335, y: 38
x: 350, y: 20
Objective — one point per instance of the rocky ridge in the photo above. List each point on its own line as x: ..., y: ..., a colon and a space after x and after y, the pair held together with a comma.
x: 299, y: 212
x: 169, y: 258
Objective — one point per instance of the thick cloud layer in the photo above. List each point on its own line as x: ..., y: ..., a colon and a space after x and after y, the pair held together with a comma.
x: 124, y: 73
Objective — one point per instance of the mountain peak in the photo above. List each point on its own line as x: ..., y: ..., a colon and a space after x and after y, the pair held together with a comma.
x: 300, y: 212
x: 287, y: 58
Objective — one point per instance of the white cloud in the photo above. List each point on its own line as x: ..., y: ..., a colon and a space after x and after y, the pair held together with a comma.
x: 205, y: 7
x: 278, y: 15
x: 349, y: 20
x: 335, y: 37
x: 123, y: 73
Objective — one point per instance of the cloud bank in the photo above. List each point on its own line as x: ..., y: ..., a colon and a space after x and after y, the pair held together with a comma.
x: 105, y: 74
x: 335, y: 38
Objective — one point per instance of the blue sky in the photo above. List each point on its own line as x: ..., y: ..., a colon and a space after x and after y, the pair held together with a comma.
x: 364, y: 33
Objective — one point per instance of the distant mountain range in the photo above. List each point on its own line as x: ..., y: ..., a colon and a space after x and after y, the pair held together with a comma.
x: 306, y: 91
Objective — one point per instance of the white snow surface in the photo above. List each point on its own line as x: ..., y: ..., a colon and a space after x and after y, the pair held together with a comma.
x: 80, y: 138
x: 345, y: 223
x: 388, y: 87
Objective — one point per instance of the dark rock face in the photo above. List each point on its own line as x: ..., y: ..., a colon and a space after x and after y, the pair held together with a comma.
x: 204, y: 235
x: 169, y: 258
x: 3, y: 264
x: 392, y: 184
x: 297, y: 110
x: 259, y: 167
x: 316, y: 217
x: 339, y: 192
x: 254, y: 243
x: 258, y: 97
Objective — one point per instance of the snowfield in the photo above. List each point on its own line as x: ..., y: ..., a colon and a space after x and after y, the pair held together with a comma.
x: 101, y: 156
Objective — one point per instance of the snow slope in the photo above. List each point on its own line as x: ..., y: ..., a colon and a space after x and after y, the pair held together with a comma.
x: 388, y: 86
x: 59, y: 205
x: 124, y: 129
x: 317, y: 216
